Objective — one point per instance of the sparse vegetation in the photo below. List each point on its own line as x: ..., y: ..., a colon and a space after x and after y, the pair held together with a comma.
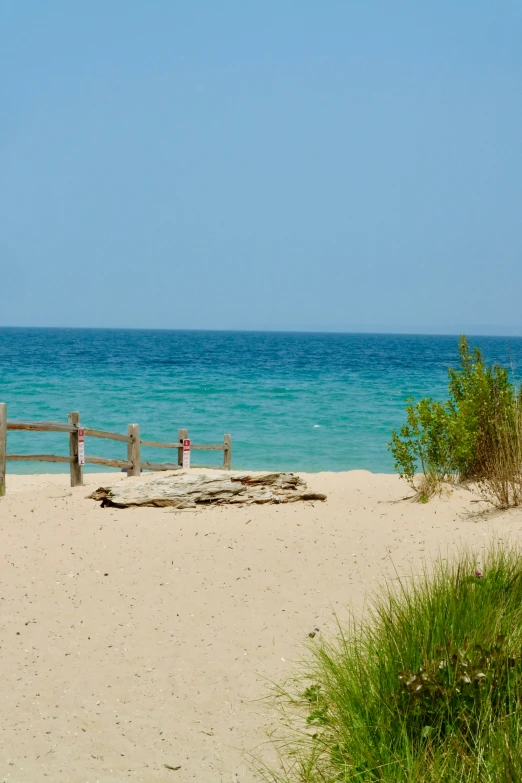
x: 426, y: 688
x: 476, y: 435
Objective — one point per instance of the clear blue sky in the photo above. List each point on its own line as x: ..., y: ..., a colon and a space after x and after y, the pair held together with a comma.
x: 272, y: 164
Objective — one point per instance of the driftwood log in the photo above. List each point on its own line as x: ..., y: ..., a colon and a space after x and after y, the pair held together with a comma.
x: 189, y: 490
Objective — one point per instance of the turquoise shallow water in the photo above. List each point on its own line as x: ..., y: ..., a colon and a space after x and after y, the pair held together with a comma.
x: 291, y: 401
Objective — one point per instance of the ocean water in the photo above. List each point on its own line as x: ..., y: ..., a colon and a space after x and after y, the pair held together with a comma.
x: 292, y: 401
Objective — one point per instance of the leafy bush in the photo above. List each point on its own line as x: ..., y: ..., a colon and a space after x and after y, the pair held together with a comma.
x: 425, y: 442
x: 427, y: 687
x: 475, y: 435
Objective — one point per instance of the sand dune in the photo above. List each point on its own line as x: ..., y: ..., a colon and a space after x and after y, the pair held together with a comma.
x: 134, y: 639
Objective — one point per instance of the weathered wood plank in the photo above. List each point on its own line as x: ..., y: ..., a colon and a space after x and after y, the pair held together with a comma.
x: 38, y: 458
x: 3, y: 445
x: 76, y: 470
x: 40, y: 426
x: 227, y: 455
x: 108, y: 435
x: 196, y: 446
x: 159, y: 444
x: 159, y: 466
x: 182, y: 434
x: 110, y: 463
x: 133, y: 450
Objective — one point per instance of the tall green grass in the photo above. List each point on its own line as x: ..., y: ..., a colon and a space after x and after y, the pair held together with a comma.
x: 427, y: 687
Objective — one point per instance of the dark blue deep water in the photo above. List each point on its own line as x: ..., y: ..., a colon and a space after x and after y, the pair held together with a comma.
x: 291, y: 401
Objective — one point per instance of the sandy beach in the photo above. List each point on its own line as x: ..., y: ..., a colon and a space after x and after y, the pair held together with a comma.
x: 132, y: 639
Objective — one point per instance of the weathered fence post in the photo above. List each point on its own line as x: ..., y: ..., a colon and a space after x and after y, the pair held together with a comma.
x: 75, y: 467
x: 182, y: 434
x: 227, y: 452
x: 3, y: 445
x: 133, y: 450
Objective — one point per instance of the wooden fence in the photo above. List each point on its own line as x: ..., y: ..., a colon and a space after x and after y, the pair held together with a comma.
x: 133, y: 464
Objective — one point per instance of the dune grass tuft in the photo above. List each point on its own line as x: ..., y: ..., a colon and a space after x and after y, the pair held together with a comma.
x: 426, y: 687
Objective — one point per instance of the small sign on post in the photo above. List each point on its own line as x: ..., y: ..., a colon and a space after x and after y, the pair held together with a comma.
x: 81, y: 446
x: 186, y: 453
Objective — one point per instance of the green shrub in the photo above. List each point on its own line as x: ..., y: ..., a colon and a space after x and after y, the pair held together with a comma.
x: 424, y: 442
x: 475, y: 434
x: 480, y: 395
x: 427, y: 687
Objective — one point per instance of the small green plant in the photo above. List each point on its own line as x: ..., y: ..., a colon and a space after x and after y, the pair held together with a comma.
x: 426, y: 687
x: 449, y: 692
x: 475, y: 435
x: 423, y: 442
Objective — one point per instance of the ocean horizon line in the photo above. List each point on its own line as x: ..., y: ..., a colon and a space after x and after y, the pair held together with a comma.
x: 477, y: 330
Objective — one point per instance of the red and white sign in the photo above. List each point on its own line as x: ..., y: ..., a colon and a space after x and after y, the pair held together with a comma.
x: 186, y: 453
x: 81, y: 446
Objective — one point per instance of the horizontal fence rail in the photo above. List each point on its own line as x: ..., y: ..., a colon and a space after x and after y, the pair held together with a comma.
x: 40, y: 426
x: 133, y: 465
x: 193, y: 446
x: 37, y: 458
x: 107, y: 435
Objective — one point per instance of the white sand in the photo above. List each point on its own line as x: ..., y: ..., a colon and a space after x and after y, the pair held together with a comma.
x: 131, y: 639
